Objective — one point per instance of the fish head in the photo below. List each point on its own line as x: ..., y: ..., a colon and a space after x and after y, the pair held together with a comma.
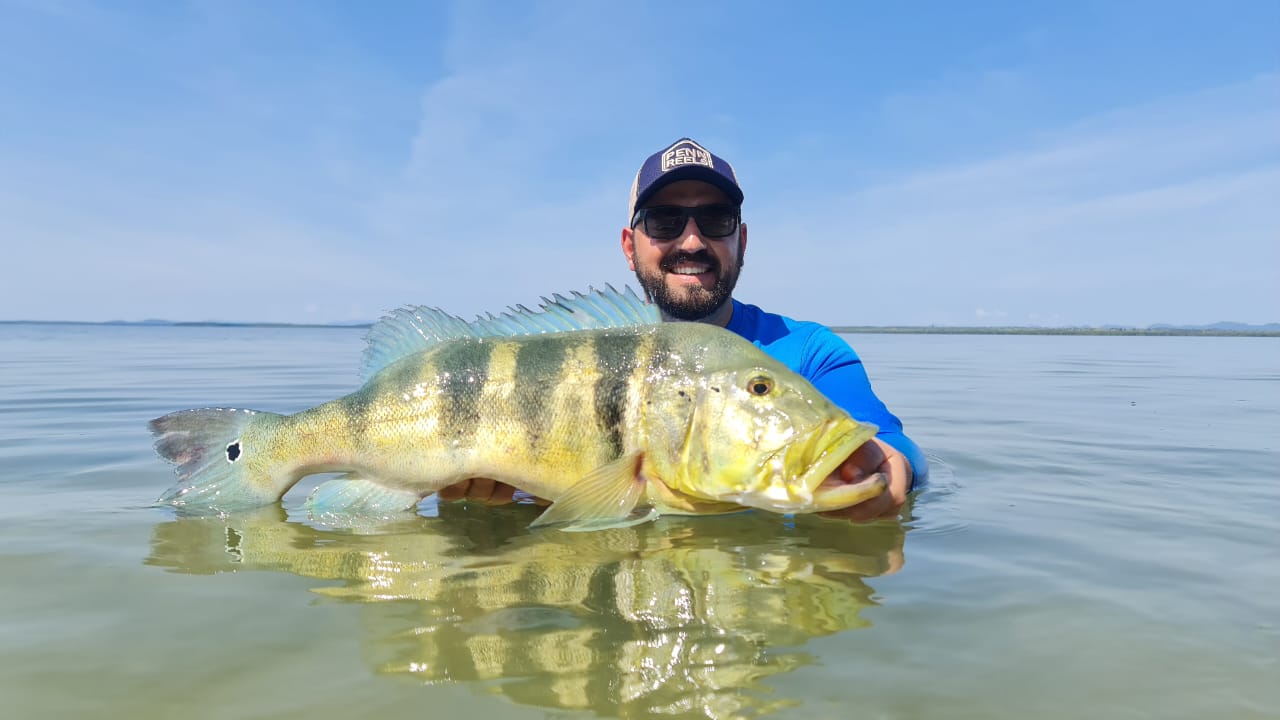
x: 759, y: 435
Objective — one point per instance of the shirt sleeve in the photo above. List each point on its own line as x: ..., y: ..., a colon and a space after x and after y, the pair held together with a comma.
x: 837, y: 372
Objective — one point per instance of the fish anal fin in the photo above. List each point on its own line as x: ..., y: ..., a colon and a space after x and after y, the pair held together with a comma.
x: 607, y: 497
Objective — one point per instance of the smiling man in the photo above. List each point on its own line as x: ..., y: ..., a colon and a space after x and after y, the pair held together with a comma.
x: 686, y: 243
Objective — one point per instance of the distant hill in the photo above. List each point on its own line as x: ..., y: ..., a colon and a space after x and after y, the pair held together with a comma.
x: 1226, y: 326
x: 1221, y: 329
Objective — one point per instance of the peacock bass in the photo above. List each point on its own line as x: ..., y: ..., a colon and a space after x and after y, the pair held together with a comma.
x: 592, y: 403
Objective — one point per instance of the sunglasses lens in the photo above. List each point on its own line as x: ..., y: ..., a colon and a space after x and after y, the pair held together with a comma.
x: 716, y: 220
x: 666, y: 222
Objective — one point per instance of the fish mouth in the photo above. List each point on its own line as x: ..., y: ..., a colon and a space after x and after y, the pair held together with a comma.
x: 834, y: 447
x: 814, y: 489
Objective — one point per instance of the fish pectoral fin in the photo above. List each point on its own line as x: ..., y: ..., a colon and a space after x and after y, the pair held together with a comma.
x: 607, y: 497
x: 351, y: 495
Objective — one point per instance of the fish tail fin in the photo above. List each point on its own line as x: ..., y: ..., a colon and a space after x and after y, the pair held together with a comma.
x: 216, y: 467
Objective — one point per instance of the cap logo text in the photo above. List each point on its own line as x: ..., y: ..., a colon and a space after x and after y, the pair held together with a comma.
x: 686, y: 153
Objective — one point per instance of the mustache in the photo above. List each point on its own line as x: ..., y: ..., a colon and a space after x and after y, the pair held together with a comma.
x: 669, y: 262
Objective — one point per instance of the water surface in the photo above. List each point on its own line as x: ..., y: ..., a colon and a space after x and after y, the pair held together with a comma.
x: 1099, y: 539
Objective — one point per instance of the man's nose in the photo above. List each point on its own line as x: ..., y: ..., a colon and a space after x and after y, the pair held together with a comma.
x: 691, y: 239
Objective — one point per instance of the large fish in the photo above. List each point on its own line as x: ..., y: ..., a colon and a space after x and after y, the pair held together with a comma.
x: 592, y: 403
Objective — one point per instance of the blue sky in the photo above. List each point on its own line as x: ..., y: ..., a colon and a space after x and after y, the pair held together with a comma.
x: 904, y: 163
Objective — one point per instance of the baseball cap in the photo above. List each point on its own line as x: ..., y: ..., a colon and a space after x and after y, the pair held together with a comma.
x: 682, y: 160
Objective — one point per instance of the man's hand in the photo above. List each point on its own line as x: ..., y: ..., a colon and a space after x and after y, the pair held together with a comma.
x: 483, y: 490
x: 874, y: 457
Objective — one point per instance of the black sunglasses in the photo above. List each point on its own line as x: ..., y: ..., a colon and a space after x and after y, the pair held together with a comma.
x: 666, y: 222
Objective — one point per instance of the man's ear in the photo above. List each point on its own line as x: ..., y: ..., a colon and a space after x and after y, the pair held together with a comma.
x: 629, y: 247
x: 742, y: 244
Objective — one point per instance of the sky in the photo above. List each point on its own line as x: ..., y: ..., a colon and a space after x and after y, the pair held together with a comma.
x: 1019, y: 163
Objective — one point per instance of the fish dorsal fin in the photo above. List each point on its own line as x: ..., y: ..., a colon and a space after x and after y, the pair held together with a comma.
x: 406, y: 331
x: 415, y: 328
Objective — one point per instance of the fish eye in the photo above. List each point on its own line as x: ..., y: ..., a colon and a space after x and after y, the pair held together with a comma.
x: 760, y: 385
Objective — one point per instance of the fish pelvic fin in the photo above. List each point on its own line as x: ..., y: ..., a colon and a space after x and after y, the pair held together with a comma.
x: 352, y: 498
x: 607, y: 497
x: 415, y: 328
x: 216, y: 467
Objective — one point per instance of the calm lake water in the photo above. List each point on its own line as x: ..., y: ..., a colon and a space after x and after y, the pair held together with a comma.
x: 1101, y: 538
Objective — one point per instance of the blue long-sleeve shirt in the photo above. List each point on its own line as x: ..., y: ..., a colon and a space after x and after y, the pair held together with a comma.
x: 827, y: 361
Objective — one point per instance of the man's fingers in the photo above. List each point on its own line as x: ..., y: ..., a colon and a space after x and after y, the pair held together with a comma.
x: 457, y: 491
x: 863, y: 463
x: 502, y: 494
x: 482, y: 490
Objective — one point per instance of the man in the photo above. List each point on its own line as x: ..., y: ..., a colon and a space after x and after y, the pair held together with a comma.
x: 686, y: 243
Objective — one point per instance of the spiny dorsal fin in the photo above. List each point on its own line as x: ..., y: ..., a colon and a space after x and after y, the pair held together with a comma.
x: 415, y: 328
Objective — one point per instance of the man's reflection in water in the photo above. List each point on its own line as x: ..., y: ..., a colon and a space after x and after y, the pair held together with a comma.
x: 683, y: 616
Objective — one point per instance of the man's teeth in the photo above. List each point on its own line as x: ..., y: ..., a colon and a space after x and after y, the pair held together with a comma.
x: 690, y: 269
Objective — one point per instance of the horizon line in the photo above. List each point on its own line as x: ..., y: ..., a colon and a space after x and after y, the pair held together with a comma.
x: 1219, y: 329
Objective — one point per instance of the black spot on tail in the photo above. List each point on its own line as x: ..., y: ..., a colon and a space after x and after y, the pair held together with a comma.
x: 233, y: 451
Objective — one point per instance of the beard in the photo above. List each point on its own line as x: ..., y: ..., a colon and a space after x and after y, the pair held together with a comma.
x: 689, y: 303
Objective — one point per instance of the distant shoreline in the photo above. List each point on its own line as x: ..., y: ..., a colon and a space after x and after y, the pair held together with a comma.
x: 946, y: 330
x: 167, y: 324
x: 846, y: 329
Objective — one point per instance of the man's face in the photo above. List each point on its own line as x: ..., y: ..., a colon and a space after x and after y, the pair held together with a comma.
x: 691, y: 276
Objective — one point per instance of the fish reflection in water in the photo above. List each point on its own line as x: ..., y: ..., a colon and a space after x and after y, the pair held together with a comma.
x: 684, y: 617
